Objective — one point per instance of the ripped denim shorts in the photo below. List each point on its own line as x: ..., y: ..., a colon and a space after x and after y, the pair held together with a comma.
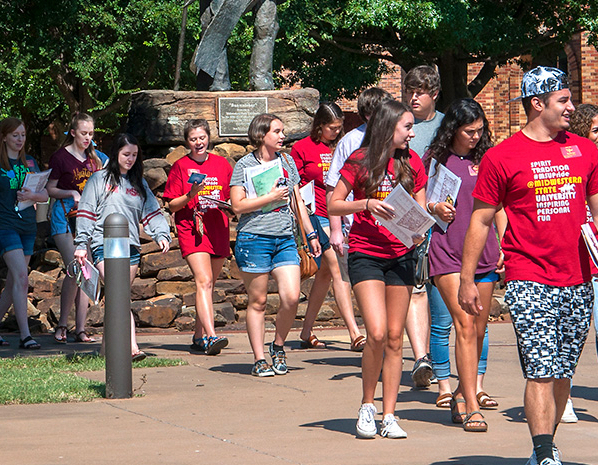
x: 258, y: 253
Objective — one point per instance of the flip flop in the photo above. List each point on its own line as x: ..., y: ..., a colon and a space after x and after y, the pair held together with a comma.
x: 312, y: 343
x: 138, y: 356
x: 444, y: 400
x: 358, y: 343
x: 486, y: 402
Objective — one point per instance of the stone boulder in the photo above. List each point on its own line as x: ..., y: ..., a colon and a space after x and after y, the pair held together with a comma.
x: 158, y: 312
x: 157, y: 117
x: 155, y: 177
x: 152, y: 263
x: 143, y: 288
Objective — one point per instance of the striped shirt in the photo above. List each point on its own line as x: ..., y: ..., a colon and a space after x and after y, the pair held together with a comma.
x: 277, y: 222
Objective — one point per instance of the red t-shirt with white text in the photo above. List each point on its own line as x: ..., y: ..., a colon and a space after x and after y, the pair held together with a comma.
x: 367, y: 235
x: 215, y: 239
x: 313, y: 162
x: 543, y: 188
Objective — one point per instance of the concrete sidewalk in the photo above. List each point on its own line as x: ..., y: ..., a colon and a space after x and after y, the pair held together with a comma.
x: 213, y: 412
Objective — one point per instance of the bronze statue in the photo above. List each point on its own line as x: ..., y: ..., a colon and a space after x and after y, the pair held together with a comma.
x: 218, y: 19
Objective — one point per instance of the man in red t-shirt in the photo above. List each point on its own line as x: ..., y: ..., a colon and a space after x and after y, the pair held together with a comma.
x: 542, y: 175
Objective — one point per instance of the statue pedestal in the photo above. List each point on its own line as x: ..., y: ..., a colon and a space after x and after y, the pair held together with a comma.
x: 157, y: 117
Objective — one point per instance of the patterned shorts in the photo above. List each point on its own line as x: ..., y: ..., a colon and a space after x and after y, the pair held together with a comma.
x: 551, y: 324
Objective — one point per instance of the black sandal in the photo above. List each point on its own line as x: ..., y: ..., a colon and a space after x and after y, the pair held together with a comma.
x: 29, y: 344
x: 83, y: 333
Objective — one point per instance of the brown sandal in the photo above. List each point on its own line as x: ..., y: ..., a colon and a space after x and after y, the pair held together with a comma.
x: 486, y: 402
x: 312, y: 343
x: 60, y: 339
x: 358, y: 343
x: 444, y: 400
x: 82, y: 336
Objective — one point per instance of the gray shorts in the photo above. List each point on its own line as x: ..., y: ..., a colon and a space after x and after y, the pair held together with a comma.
x: 551, y: 324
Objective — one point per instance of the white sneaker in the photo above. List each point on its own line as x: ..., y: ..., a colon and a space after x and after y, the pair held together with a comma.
x: 569, y: 414
x: 556, y: 453
x: 391, y: 428
x: 366, y: 425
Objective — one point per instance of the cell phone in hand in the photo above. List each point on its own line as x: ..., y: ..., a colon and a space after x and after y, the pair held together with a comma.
x: 196, y: 178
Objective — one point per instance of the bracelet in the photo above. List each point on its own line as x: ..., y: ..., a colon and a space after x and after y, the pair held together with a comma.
x: 312, y: 235
x: 432, y: 210
x: 367, y: 204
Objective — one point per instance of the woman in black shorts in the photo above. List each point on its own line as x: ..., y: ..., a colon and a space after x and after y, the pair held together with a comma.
x: 381, y: 268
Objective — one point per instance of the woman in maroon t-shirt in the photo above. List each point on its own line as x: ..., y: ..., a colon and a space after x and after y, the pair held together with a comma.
x: 72, y: 165
x: 381, y: 268
x: 460, y: 143
x: 312, y: 156
x: 202, y: 227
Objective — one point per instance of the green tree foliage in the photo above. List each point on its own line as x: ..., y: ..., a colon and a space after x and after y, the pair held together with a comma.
x: 64, y: 56
x: 337, y: 43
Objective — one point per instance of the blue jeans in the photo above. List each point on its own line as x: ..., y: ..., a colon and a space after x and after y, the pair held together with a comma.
x: 441, y: 323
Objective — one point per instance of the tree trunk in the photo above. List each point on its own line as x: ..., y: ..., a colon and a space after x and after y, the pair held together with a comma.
x: 453, y: 77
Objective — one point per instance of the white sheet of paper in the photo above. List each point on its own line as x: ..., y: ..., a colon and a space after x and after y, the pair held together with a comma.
x: 34, y: 182
x: 443, y: 186
x: 410, y: 218
x: 252, y: 171
x: 308, y: 194
x: 91, y: 286
x: 591, y: 242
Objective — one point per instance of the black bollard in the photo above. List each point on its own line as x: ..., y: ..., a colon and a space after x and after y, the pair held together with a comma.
x: 117, y: 319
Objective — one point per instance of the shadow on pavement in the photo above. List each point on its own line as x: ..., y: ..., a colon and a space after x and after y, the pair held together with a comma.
x: 339, y: 425
x: 584, y: 392
x: 336, y: 361
x: 488, y: 460
x: 514, y: 414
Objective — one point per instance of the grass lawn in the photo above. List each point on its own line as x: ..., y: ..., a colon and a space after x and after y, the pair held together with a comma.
x: 36, y: 380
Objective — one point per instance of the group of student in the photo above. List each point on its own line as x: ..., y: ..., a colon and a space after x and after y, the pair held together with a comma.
x: 352, y: 176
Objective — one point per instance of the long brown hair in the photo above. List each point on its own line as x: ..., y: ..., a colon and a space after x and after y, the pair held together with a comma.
x: 328, y: 113
x: 377, y: 148
x: 7, y: 126
x: 90, y: 151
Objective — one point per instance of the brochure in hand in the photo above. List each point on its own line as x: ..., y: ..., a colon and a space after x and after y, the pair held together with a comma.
x: 264, y: 182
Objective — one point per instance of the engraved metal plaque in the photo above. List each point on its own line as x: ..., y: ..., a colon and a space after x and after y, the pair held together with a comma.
x: 235, y: 114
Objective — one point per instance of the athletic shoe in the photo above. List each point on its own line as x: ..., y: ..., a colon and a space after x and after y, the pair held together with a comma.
x: 422, y: 372
x: 569, y: 414
x: 391, y: 428
x: 262, y: 369
x: 279, y: 360
x: 216, y: 344
x: 366, y: 425
x: 555, y: 453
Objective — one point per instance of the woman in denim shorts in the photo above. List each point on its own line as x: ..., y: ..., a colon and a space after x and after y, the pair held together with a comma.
x: 381, y: 268
x: 18, y: 226
x: 265, y: 242
x: 71, y: 165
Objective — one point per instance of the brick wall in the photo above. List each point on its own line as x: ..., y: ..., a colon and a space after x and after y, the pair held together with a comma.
x: 507, y: 118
